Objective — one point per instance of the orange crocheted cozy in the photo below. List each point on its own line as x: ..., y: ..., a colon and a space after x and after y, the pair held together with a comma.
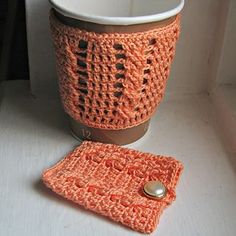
x: 113, y: 80
x: 109, y: 179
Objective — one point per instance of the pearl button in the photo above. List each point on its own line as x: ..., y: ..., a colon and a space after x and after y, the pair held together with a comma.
x: 154, y: 189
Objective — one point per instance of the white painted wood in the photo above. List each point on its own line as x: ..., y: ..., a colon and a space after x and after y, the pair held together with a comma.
x: 215, y: 58
x: 227, y: 71
x: 34, y: 136
x: 192, y: 64
x: 224, y: 100
x: 222, y: 80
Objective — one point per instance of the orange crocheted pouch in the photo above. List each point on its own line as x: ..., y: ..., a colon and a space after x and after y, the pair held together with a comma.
x: 109, y: 180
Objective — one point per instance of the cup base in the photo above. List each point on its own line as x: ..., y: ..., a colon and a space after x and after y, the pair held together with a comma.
x: 119, y: 137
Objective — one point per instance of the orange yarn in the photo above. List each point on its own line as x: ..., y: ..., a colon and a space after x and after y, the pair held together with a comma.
x: 113, y: 80
x: 109, y: 179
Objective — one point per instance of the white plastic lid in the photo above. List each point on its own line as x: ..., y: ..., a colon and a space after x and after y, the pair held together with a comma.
x: 118, y: 12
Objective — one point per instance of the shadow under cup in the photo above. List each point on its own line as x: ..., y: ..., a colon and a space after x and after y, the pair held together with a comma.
x: 117, y: 136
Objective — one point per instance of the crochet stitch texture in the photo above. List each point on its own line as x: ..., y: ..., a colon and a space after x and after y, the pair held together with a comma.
x: 109, y: 180
x: 113, y: 80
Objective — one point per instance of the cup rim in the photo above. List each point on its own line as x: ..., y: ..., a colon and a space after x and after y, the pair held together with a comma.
x: 109, y: 20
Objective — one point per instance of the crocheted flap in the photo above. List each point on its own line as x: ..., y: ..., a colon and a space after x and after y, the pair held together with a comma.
x: 109, y: 180
x: 113, y: 80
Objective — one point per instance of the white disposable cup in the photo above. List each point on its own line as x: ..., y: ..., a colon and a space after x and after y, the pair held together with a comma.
x: 118, y: 12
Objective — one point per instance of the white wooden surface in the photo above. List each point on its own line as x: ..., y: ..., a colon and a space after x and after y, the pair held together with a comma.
x: 34, y: 136
x: 193, y: 62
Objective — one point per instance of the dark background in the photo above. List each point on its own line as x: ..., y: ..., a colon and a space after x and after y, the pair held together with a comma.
x: 14, y: 60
